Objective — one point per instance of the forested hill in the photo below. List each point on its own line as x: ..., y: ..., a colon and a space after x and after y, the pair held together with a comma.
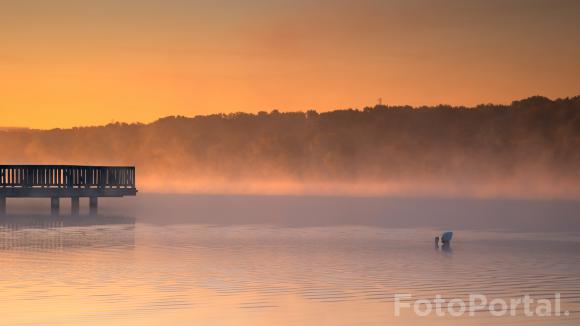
x: 532, y: 144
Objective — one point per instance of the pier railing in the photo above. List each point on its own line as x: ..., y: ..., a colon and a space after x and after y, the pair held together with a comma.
x: 66, y: 176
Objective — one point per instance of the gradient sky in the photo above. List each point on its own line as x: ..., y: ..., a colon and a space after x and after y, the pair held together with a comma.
x: 71, y: 63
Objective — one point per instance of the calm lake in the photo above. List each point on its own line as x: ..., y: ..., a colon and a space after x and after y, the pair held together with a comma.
x: 285, y: 260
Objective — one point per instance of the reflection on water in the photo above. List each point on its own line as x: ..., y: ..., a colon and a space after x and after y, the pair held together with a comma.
x: 184, y: 274
x: 43, y: 232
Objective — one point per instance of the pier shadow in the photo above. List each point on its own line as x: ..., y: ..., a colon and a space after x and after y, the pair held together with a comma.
x: 42, y: 232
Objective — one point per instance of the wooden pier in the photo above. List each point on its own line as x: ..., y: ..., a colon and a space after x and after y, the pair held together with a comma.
x: 65, y: 181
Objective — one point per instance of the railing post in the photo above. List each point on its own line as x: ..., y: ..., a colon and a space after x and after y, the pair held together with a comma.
x: 102, y: 177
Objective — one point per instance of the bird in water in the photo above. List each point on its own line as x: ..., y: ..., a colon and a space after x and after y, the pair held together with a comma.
x: 445, y: 240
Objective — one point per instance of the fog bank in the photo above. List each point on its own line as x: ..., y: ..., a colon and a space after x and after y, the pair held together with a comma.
x: 528, y: 149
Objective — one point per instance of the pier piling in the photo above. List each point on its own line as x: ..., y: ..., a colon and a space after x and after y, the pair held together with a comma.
x: 2, y: 205
x: 93, y: 205
x: 54, y: 206
x: 74, y: 206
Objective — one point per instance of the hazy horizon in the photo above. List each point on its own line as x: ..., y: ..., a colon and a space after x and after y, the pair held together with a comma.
x: 75, y: 63
x: 527, y: 149
x: 507, y: 102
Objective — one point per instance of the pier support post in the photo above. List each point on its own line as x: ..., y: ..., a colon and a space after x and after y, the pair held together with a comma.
x: 93, y: 205
x: 54, y: 206
x: 74, y: 206
x: 2, y: 205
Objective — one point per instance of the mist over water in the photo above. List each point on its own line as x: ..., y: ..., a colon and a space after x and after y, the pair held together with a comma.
x: 514, y: 215
x: 288, y: 260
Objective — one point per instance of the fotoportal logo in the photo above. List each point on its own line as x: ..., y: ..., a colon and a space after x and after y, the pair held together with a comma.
x: 524, y: 305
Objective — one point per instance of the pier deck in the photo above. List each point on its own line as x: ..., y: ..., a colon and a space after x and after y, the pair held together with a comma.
x: 65, y: 181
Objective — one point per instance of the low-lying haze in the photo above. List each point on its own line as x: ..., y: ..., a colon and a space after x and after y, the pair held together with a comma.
x: 526, y: 149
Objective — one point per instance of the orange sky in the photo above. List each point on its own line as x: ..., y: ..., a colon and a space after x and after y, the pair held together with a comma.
x: 71, y: 63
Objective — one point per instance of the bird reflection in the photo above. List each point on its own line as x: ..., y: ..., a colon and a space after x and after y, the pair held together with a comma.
x: 59, y: 233
x: 446, y: 248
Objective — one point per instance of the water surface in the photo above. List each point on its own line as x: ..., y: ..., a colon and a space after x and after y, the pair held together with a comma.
x: 177, y: 269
